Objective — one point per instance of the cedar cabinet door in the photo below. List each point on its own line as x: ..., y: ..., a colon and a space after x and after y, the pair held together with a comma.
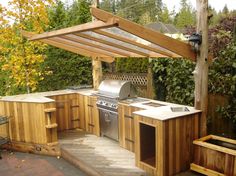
x: 61, y: 115
x: 75, y: 113
x: 92, y: 116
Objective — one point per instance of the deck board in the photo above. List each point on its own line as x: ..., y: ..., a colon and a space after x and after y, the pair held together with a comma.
x: 101, y: 154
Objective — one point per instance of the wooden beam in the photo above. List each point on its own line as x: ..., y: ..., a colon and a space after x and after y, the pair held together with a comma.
x: 82, y: 41
x: 97, y: 65
x: 204, y: 171
x: 79, y: 28
x: 139, y: 53
x: 201, y: 70
x: 71, y: 48
x: 174, y: 45
x: 132, y: 42
x: 85, y: 47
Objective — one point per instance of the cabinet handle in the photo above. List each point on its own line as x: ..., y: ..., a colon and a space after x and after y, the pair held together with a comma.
x: 130, y: 117
x: 90, y: 105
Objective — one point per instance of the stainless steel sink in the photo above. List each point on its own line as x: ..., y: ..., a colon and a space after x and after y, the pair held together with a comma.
x: 135, y: 100
x: 179, y: 109
x: 153, y: 104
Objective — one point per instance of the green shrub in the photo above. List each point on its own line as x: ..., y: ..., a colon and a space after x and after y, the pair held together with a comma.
x: 174, y: 78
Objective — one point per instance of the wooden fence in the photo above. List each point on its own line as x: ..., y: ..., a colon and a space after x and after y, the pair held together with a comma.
x: 216, y: 123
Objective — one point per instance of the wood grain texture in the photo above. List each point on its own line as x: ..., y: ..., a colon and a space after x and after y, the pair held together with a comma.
x: 28, y: 122
x: 99, y: 154
x: 176, y: 46
x: 214, y: 158
x: 174, y: 148
x: 70, y: 48
x: 97, y: 72
x: 126, y: 126
x: 201, y: 70
x: 79, y: 28
x: 91, y: 115
x: 40, y: 149
x: 69, y: 111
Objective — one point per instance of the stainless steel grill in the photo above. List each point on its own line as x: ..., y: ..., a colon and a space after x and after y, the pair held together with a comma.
x: 109, y: 93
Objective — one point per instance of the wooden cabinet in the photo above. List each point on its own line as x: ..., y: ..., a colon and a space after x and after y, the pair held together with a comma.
x: 51, y: 125
x: 91, y: 115
x: 165, y: 148
x: 77, y: 111
x: 69, y: 111
x: 126, y: 126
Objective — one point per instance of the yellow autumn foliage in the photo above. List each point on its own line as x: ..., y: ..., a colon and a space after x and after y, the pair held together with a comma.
x: 19, y: 57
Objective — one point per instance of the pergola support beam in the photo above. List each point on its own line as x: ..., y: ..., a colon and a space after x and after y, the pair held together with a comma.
x: 96, y: 64
x: 72, y: 49
x: 79, y: 28
x: 176, y: 46
x: 201, y: 70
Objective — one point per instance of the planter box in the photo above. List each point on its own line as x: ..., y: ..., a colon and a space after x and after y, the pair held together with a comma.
x: 214, y: 155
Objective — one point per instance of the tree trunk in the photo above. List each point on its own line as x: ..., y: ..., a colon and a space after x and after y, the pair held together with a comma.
x: 201, y: 70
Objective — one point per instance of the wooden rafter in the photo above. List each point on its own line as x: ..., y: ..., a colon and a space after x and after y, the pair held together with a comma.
x: 176, y: 46
x: 79, y: 28
x: 71, y: 48
x: 139, y: 53
x: 85, y: 47
x: 132, y: 42
x: 82, y: 41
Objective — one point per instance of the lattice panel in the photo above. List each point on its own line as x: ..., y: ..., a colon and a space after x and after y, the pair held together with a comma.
x: 136, y: 79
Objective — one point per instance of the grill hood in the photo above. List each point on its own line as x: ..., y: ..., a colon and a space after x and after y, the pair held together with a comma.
x: 116, y: 89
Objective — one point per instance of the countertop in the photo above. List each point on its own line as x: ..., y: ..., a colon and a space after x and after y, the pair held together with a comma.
x: 161, y: 110
x: 165, y: 112
x: 152, y: 108
x: 44, y: 97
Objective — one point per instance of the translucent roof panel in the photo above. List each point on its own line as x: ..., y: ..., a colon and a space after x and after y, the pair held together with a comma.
x: 122, y: 33
x: 127, y: 45
x: 105, y: 46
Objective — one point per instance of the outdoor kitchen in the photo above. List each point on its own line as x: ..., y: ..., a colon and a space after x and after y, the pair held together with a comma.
x: 114, y: 112
x: 107, y: 128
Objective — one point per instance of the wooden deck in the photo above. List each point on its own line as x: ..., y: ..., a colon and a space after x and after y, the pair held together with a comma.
x: 97, y: 155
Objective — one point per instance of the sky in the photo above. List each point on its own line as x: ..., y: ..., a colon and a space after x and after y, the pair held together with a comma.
x: 217, y: 4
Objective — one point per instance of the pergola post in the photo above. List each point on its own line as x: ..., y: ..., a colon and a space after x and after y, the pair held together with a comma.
x: 201, y: 70
x: 96, y: 64
x: 97, y: 72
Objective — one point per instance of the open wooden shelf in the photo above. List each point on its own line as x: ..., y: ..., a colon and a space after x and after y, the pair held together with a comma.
x: 52, y: 143
x: 148, y: 144
x: 54, y: 125
x: 50, y: 110
x: 150, y: 161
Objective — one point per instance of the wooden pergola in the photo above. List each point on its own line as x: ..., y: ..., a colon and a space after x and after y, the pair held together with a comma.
x: 110, y: 37
x: 114, y: 37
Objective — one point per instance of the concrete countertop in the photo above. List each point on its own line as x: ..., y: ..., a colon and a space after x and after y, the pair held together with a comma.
x: 44, y: 97
x: 163, y: 112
